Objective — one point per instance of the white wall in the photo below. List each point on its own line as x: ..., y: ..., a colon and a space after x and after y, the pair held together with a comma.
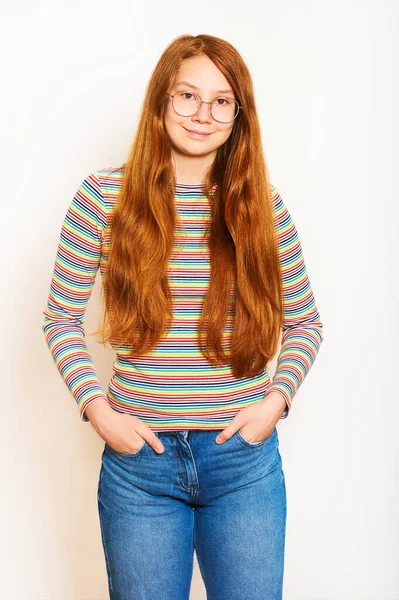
x: 73, y: 78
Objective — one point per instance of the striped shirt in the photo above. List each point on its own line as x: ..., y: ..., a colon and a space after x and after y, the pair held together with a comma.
x: 172, y: 387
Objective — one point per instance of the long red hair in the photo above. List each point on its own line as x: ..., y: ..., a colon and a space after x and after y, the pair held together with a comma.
x: 245, y: 274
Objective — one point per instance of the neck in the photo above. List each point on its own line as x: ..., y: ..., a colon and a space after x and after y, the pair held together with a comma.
x: 191, y: 170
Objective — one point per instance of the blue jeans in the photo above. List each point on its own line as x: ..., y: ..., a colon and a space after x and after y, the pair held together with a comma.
x: 227, y: 501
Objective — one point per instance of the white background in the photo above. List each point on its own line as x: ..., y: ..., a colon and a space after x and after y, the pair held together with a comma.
x: 73, y: 79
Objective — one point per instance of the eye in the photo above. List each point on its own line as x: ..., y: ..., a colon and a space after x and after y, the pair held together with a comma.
x: 220, y: 101
x: 187, y: 94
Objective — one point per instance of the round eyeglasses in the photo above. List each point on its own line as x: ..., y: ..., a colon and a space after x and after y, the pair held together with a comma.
x: 187, y: 104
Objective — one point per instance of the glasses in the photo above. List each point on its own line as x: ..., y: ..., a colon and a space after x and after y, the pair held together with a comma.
x: 187, y: 104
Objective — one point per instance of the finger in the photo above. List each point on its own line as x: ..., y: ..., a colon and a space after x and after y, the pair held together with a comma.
x: 149, y: 436
x: 226, y: 434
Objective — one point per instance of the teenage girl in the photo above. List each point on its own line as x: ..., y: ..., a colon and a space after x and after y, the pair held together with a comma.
x: 202, y: 270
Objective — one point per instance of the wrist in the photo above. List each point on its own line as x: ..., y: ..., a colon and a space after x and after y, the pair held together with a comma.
x: 276, y: 400
x: 97, y: 410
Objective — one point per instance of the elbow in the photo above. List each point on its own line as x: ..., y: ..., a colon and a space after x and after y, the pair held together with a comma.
x: 320, y: 329
x: 46, y: 325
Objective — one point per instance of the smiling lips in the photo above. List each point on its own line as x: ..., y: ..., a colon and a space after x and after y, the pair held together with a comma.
x: 197, y: 133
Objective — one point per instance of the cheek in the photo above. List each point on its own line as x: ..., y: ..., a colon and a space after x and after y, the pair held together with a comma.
x: 225, y: 134
x: 172, y: 123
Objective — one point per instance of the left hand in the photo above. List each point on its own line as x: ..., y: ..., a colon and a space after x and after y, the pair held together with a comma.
x: 261, y: 418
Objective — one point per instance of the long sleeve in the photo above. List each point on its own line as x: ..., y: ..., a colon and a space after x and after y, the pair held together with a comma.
x: 302, y: 326
x: 76, y: 264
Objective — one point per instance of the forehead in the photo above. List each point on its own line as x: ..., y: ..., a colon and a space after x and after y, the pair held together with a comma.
x: 201, y: 74
x: 185, y: 84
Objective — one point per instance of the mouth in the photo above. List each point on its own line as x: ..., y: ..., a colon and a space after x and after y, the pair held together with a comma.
x: 197, y: 134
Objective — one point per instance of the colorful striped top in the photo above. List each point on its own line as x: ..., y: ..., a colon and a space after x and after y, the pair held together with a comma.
x: 172, y: 387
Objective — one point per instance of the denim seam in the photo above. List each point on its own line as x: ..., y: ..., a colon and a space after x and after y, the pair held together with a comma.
x: 105, y: 548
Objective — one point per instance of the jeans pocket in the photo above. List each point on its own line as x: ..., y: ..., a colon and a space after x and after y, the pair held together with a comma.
x: 129, y: 454
x: 254, y: 444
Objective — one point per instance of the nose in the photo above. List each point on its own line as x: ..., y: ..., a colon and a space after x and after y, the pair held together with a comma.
x: 204, y: 113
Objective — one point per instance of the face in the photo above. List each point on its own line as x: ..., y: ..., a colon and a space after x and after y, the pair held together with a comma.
x: 210, y: 84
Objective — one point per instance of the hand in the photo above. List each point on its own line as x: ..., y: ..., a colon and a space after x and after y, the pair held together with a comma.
x: 123, y: 432
x: 261, y: 417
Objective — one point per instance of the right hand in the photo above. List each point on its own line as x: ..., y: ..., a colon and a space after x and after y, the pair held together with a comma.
x: 123, y: 432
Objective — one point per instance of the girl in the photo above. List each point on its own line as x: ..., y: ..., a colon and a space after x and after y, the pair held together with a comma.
x: 202, y: 270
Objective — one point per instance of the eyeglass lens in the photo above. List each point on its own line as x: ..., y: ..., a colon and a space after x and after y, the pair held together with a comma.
x: 223, y: 109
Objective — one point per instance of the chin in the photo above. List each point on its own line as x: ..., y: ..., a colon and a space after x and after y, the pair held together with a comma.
x: 193, y: 149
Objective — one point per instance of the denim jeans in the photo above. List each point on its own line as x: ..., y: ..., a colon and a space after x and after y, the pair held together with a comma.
x: 227, y: 501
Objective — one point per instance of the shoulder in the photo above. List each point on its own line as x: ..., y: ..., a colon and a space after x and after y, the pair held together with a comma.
x: 100, y: 189
x: 110, y: 178
x: 284, y: 225
x: 281, y: 214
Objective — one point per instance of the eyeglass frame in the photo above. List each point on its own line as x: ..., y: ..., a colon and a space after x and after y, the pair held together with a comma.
x: 200, y: 106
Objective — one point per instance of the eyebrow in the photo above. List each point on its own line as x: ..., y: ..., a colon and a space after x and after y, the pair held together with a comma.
x: 196, y: 88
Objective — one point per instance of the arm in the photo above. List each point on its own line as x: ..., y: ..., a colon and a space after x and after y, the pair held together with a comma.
x: 302, y: 327
x: 75, y: 268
